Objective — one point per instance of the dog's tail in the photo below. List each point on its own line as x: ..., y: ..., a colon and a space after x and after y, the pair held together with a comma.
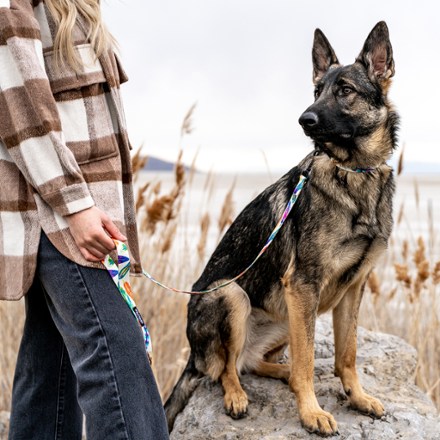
x: 182, y: 391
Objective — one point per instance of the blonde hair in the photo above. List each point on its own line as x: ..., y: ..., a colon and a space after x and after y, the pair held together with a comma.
x: 65, y: 14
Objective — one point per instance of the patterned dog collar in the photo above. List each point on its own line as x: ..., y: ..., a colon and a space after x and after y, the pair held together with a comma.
x: 355, y: 169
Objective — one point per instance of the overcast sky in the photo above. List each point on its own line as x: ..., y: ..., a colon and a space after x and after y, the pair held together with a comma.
x: 247, y: 63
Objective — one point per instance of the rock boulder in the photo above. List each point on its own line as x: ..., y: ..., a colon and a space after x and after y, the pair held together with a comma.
x: 386, y: 365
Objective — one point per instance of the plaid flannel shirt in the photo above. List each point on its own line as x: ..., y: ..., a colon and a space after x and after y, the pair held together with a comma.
x: 63, y: 143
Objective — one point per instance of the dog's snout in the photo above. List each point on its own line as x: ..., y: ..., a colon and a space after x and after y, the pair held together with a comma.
x: 308, y: 119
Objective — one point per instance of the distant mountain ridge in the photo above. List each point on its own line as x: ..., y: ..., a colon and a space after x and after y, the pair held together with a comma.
x: 156, y: 164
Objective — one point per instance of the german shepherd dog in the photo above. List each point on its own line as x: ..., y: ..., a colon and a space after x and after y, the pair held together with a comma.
x: 322, y: 256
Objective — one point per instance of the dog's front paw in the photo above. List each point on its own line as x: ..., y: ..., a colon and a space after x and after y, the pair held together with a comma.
x: 236, y: 404
x: 368, y: 405
x: 319, y: 422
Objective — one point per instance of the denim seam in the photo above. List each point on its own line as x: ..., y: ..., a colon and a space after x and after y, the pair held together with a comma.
x: 60, y: 397
x: 106, y: 346
x: 60, y: 389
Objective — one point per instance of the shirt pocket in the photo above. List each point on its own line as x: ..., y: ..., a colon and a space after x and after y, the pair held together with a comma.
x: 87, y: 115
x: 63, y: 78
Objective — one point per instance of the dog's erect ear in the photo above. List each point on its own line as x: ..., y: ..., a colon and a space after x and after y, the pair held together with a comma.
x: 323, y: 56
x: 377, y: 54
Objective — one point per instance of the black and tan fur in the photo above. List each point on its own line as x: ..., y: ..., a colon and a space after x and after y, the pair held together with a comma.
x: 322, y: 256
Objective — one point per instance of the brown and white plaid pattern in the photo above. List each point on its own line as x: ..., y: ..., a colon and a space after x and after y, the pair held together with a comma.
x: 63, y: 143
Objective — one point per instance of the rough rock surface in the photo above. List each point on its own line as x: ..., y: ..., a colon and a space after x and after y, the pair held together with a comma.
x: 386, y: 365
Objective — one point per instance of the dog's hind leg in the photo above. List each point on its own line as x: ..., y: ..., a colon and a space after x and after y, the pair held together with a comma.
x: 302, y: 305
x: 269, y: 366
x: 237, y: 301
x: 345, y: 325
x: 275, y: 371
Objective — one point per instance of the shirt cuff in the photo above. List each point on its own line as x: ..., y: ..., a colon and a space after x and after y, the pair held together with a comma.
x: 70, y: 199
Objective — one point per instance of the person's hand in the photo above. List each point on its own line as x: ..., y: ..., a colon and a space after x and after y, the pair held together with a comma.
x: 93, y: 231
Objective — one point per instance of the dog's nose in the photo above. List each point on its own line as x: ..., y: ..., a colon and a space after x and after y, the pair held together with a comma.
x: 308, y: 119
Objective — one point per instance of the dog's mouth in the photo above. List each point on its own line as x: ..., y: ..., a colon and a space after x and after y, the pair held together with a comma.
x: 329, y: 136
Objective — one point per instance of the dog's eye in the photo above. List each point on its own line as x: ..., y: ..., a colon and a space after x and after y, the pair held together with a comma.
x: 318, y: 92
x: 346, y: 91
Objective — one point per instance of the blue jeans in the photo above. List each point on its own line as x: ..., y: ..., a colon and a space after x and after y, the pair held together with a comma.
x: 82, y: 352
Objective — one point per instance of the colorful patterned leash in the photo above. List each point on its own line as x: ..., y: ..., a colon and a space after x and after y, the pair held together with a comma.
x: 302, y: 180
x: 120, y: 272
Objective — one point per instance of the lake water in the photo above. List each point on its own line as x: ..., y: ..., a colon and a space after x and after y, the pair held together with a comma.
x: 419, y: 195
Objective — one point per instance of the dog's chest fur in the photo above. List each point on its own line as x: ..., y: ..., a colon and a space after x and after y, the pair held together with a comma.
x: 355, y: 221
x: 343, y: 223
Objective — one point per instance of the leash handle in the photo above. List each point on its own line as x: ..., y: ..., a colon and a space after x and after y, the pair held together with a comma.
x: 302, y: 180
x: 120, y: 273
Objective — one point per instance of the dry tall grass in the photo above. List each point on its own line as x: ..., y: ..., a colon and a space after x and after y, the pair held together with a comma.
x: 403, y: 294
x: 11, y: 325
